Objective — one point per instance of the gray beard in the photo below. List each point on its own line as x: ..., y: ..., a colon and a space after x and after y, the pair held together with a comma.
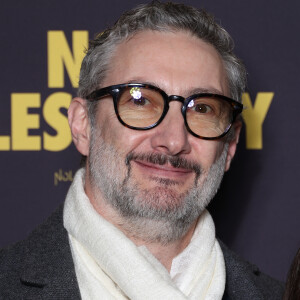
x: 156, y: 215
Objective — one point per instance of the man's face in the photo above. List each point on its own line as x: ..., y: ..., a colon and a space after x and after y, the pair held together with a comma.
x: 163, y: 177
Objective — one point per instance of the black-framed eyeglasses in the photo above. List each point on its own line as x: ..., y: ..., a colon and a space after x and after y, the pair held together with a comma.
x: 142, y: 106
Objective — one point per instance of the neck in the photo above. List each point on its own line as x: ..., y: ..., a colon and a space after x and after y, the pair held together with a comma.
x: 166, y: 253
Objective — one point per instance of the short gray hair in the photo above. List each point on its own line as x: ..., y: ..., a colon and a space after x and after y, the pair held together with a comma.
x: 165, y: 17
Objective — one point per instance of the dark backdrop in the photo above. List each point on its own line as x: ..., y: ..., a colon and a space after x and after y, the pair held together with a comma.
x: 257, y: 208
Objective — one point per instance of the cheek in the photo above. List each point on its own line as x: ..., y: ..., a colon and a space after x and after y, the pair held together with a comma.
x: 106, y: 124
x: 106, y: 119
x: 208, y: 152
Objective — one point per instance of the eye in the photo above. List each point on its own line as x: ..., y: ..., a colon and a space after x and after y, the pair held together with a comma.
x: 141, y: 101
x: 201, y: 108
x: 137, y: 97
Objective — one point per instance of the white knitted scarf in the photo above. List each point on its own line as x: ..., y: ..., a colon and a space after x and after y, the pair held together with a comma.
x: 109, y: 266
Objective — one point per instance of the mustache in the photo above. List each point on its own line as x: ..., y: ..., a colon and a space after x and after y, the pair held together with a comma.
x: 162, y: 159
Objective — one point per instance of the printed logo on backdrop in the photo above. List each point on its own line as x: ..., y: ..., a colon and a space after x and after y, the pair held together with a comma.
x: 60, y: 57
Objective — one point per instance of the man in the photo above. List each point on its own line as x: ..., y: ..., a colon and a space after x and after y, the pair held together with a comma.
x: 157, y: 119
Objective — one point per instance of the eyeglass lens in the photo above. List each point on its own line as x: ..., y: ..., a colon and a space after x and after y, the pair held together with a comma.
x: 140, y: 107
x: 205, y: 116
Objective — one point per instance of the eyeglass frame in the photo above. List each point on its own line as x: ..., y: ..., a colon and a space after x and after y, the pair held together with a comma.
x: 115, y: 90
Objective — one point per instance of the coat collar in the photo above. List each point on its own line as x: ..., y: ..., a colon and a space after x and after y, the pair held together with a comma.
x: 241, y: 277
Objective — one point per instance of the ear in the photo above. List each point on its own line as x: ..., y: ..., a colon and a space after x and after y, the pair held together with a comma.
x: 79, y: 125
x: 233, y: 143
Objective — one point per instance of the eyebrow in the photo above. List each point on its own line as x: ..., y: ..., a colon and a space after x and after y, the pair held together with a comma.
x: 205, y: 90
x: 189, y: 92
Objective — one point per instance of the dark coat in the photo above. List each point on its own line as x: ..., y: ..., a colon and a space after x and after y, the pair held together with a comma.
x: 41, y: 267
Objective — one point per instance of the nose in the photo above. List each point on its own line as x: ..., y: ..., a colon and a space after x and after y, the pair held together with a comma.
x: 171, y: 136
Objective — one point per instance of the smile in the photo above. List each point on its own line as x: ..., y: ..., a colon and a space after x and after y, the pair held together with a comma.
x: 165, y: 170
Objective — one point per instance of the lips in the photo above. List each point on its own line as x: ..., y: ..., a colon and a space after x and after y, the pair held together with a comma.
x: 165, y: 170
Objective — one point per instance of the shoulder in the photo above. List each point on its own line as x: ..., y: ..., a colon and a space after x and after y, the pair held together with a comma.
x: 42, y: 259
x: 13, y: 257
x: 10, y: 261
x: 40, y: 239
x: 243, y: 278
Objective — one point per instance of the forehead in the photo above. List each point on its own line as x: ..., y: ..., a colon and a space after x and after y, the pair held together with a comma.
x: 175, y: 61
